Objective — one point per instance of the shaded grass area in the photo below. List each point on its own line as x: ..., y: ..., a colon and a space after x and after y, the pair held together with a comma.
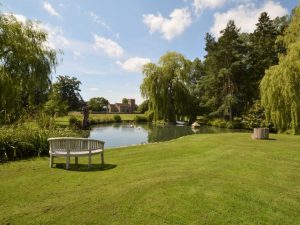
x: 197, y: 179
x: 64, y: 120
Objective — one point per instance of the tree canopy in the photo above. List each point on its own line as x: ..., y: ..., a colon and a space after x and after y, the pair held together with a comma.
x: 98, y: 104
x: 224, y: 68
x: 69, y: 91
x: 143, y: 107
x: 280, y: 87
x: 124, y: 101
x: 25, y: 67
x: 165, y: 86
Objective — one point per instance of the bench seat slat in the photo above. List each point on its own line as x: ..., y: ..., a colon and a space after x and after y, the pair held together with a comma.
x: 79, y: 153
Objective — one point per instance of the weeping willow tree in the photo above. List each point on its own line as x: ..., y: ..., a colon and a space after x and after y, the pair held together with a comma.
x: 165, y: 86
x: 25, y: 67
x: 280, y: 87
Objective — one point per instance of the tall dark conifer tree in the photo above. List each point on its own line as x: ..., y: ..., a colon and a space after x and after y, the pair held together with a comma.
x: 225, y: 68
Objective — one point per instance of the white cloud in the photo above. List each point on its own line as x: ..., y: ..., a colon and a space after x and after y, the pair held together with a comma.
x: 274, y: 9
x: 97, y: 20
x: 134, y: 64
x: 19, y: 17
x: 211, y: 4
x: 48, y: 7
x: 246, y: 16
x: 102, y: 23
x: 56, y: 36
x: 171, y: 27
x: 93, y: 89
x: 110, y: 47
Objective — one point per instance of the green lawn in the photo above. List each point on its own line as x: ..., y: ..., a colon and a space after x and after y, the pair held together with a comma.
x: 64, y: 120
x: 197, y: 179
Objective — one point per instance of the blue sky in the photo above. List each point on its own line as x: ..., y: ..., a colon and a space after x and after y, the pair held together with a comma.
x: 105, y: 43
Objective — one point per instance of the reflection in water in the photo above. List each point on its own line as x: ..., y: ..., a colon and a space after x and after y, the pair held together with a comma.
x: 167, y: 132
x: 116, y: 135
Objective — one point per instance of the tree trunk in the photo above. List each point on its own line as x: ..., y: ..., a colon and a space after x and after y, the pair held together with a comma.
x: 85, y: 122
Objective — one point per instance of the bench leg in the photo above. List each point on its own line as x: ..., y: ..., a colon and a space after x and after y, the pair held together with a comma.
x: 76, y: 160
x: 51, y: 161
x: 102, y: 157
x: 90, y: 161
x: 68, y: 162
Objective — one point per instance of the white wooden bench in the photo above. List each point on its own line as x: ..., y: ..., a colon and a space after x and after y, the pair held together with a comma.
x: 76, y: 147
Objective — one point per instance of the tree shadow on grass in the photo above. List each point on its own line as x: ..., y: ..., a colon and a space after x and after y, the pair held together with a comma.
x: 84, y: 167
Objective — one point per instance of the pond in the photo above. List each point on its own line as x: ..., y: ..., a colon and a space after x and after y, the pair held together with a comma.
x: 118, y: 135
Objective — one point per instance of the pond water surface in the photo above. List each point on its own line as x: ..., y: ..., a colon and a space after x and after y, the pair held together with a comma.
x: 118, y: 135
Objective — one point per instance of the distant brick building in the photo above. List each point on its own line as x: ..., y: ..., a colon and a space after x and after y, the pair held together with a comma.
x: 122, y: 108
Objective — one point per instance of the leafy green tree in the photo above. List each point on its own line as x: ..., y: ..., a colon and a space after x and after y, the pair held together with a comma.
x: 68, y: 90
x: 26, y: 65
x: 263, y: 45
x: 55, y: 106
x: 281, y: 23
x: 142, y: 108
x: 224, y: 73
x: 280, y: 87
x: 263, y: 51
x: 124, y: 101
x: 195, y: 78
x: 210, y: 84
x: 98, y: 104
x: 165, y: 86
x: 235, y: 64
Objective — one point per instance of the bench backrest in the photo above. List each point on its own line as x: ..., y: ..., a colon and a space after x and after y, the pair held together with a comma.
x: 74, y: 144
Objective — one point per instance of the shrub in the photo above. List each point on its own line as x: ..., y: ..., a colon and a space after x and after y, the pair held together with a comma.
x: 138, y: 118
x: 101, y: 121
x: 202, y: 119
x: 75, y: 123
x: 235, y: 124
x: 117, y: 118
x: 23, y: 142
x: 45, y: 121
x: 255, y: 117
x: 94, y: 121
x: 218, y: 123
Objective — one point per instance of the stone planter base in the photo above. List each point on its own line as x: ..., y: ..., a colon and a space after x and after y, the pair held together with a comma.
x: 260, y: 133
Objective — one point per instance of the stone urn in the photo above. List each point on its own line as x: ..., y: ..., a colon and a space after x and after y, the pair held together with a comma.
x: 260, y: 133
x: 195, y: 125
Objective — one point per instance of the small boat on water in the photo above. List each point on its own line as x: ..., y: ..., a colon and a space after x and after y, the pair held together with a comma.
x: 195, y: 125
x: 181, y: 123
